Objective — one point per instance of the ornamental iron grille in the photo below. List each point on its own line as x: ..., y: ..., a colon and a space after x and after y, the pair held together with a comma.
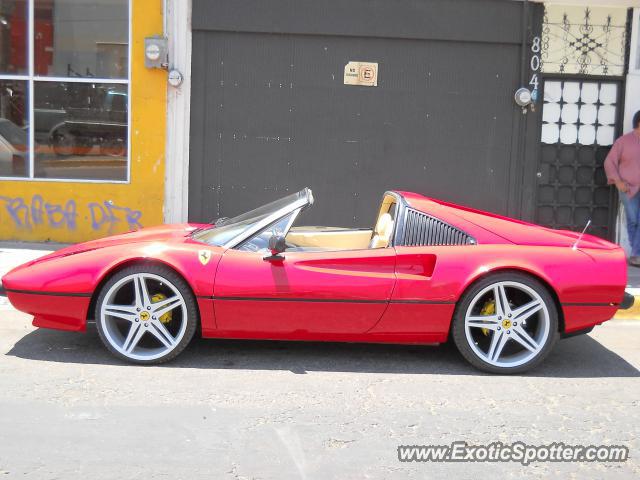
x: 584, y: 40
x: 579, y: 119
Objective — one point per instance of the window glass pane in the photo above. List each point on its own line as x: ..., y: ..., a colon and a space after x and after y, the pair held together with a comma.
x: 80, y: 130
x: 260, y: 241
x: 81, y: 38
x: 13, y: 37
x: 14, y: 157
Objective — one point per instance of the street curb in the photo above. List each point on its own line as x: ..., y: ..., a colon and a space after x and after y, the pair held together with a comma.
x: 632, y: 313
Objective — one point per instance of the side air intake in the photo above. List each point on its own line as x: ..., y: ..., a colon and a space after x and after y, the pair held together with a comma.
x: 421, y: 229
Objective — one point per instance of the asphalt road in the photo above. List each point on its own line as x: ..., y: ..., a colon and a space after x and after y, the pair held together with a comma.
x: 229, y: 409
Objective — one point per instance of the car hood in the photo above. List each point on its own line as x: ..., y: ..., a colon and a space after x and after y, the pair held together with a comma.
x: 160, y: 233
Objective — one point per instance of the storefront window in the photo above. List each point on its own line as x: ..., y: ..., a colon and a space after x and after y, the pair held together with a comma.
x: 80, y: 130
x: 13, y: 37
x: 81, y: 38
x: 78, y: 83
x: 14, y: 138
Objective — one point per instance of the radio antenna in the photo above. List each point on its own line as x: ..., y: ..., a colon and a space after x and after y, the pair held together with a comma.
x: 575, y: 245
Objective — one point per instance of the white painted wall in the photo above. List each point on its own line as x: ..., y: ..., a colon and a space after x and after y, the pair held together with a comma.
x: 178, y: 31
x: 632, y: 97
x: 631, y: 105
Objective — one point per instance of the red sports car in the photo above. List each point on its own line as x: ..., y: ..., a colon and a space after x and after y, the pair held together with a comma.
x: 502, y: 289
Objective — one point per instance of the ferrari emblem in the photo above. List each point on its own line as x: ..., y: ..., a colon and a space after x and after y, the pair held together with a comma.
x: 204, y: 256
x: 144, y: 316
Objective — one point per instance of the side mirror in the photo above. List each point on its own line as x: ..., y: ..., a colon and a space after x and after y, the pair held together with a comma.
x: 277, y: 245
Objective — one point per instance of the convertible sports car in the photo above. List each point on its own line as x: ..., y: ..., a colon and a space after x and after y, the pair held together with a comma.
x: 502, y: 289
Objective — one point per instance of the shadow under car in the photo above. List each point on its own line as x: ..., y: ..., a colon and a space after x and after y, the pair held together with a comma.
x: 576, y: 357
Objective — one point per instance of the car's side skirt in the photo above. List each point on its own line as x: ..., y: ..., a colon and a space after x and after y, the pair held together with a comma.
x: 414, y: 339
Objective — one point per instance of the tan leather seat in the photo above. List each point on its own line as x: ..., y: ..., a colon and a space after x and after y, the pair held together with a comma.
x: 335, y: 238
x: 382, y: 232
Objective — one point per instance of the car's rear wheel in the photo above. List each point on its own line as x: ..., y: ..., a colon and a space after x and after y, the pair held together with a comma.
x: 146, y: 314
x: 506, y: 323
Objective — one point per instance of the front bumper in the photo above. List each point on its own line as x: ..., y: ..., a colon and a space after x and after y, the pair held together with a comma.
x: 627, y: 301
x: 60, y: 312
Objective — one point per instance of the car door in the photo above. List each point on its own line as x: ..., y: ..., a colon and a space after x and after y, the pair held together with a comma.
x: 338, y: 292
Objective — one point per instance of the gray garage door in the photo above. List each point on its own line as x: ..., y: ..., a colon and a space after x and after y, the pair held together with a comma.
x: 271, y: 113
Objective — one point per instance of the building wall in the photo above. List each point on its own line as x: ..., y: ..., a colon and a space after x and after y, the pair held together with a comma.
x: 66, y: 211
x: 632, y: 99
x: 271, y: 111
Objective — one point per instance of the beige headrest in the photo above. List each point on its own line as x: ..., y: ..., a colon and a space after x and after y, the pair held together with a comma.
x: 382, y: 232
x: 384, y: 225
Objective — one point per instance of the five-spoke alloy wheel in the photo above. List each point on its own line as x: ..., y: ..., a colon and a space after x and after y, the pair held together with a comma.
x: 146, y: 314
x: 506, y: 323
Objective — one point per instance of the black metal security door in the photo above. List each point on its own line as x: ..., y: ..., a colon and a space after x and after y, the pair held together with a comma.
x: 271, y: 113
x: 580, y: 121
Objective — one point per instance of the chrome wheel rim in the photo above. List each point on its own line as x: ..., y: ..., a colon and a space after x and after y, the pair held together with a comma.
x: 507, y: 324
x: 143, y: 316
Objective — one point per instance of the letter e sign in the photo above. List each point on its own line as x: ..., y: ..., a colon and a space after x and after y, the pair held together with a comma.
x: 361, y: 73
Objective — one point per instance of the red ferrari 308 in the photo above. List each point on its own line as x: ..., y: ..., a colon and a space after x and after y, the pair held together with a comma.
x: 503, y: 290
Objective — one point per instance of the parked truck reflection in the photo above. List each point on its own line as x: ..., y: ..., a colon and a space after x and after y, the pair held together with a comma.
x: 99, y: 121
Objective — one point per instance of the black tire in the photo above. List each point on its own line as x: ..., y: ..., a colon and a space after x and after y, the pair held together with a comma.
x: 458, y: 327
x: 192, y: 317
x: 63, y: 144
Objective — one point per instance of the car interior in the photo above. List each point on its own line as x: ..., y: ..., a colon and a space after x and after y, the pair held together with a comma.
x: 338, y: 238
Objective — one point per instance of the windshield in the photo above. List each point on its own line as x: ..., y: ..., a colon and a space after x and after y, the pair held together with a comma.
x: 226, y: 229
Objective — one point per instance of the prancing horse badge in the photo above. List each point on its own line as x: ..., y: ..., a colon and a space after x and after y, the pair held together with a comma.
x: 204, y: 256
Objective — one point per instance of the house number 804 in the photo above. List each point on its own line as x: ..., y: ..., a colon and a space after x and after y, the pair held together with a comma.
x: 535, y: 66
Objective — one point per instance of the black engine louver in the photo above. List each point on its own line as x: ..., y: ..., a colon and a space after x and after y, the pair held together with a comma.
x: 421, y: 229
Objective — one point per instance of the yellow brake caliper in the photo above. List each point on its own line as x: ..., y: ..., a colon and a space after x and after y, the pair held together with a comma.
x: 158, y: 297
x: 489, y: 308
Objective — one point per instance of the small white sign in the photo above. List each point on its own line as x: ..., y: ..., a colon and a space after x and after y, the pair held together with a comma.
x: 361, y: 73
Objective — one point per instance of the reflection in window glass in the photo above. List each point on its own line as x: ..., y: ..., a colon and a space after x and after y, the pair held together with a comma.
x: 81, y: 38
x: 13, y: 132
x: 80, y: 130
x: 13, y: 38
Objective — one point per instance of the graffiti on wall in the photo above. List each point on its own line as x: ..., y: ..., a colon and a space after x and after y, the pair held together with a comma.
x: 102, y: 216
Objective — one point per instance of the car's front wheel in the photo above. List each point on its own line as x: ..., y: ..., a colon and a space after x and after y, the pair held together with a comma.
x: 506, y: 323
x: 146, y: 314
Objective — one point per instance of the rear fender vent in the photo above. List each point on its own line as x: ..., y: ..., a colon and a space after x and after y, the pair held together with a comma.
x: 421, y: 229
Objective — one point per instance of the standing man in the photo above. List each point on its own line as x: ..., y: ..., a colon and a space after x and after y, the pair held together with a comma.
x: 622, y: 166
